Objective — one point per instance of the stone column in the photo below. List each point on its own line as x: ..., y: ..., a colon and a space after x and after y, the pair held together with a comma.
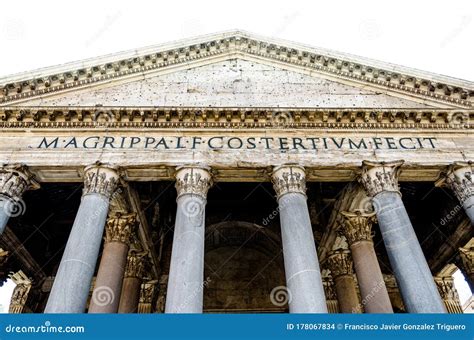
x: 449, y: 294
x: 131, y: 283
x: 108, y: 283
x: 186, y: 277
x: 413, y: 275
x: 14, y: 181
x: 303, y: 276
x: 466, y: 255
x: 461, y: 181
x: 357, y: 228
x: 73, y: 280
x: 340, y: 264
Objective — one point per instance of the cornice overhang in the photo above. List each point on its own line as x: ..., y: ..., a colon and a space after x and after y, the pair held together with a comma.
x: 234, y: 117
x: 432, y: 87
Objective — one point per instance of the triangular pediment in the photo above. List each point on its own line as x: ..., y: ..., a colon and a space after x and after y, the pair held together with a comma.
x: 234, y: 69
x: 230, y: 83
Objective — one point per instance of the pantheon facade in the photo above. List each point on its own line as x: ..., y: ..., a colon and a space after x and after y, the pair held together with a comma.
x: 232, y: 173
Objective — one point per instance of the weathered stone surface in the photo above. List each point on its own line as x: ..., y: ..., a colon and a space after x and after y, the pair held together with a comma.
x: 234, y: 82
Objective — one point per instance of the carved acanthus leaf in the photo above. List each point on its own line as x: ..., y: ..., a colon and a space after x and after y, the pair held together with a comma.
x: 379, y: 177
x: 357, y: 226
x: 289, y: 179
x: 120, y: 227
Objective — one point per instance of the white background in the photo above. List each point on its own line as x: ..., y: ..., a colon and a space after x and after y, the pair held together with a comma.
x: 435, y: 36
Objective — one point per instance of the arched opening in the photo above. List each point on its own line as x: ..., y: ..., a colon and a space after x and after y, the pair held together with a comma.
x: 243, y: 264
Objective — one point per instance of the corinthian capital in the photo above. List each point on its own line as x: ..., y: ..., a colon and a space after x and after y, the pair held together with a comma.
x: 357, y: 226
x: 135, y: 265
x: 467, y: 258
x: 100, y: 179
x: 460, y: 179
x: 120, y: 227
x: 15, y: 179
x: 380, y: 176
x: 193, y: 180
x: 446, y: 288
x: 339, y: 262
x: 289, y: 179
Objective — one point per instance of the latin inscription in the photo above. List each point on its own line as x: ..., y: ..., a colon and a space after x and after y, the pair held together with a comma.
x: 237, y: 143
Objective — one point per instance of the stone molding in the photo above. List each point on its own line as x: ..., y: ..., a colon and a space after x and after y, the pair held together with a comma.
x: 193, y: 180
x: 289, y: 179
x: 69, y: 117
x: 101, y: 180
x: 120, y: 228
x: 377, y: 177
x: 238, y: 43
x: 15, y: 179
x: 357, y: 226
x: 339, y: 262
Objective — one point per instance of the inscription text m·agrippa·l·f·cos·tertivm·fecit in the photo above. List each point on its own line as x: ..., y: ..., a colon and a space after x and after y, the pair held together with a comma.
x: 150, y: 142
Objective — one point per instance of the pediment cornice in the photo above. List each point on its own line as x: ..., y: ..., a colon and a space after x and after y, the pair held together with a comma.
x: 444, y: 90
x: 234, y: 117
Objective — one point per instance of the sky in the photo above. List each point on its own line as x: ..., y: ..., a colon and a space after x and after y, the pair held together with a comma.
x: 435, y: 36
